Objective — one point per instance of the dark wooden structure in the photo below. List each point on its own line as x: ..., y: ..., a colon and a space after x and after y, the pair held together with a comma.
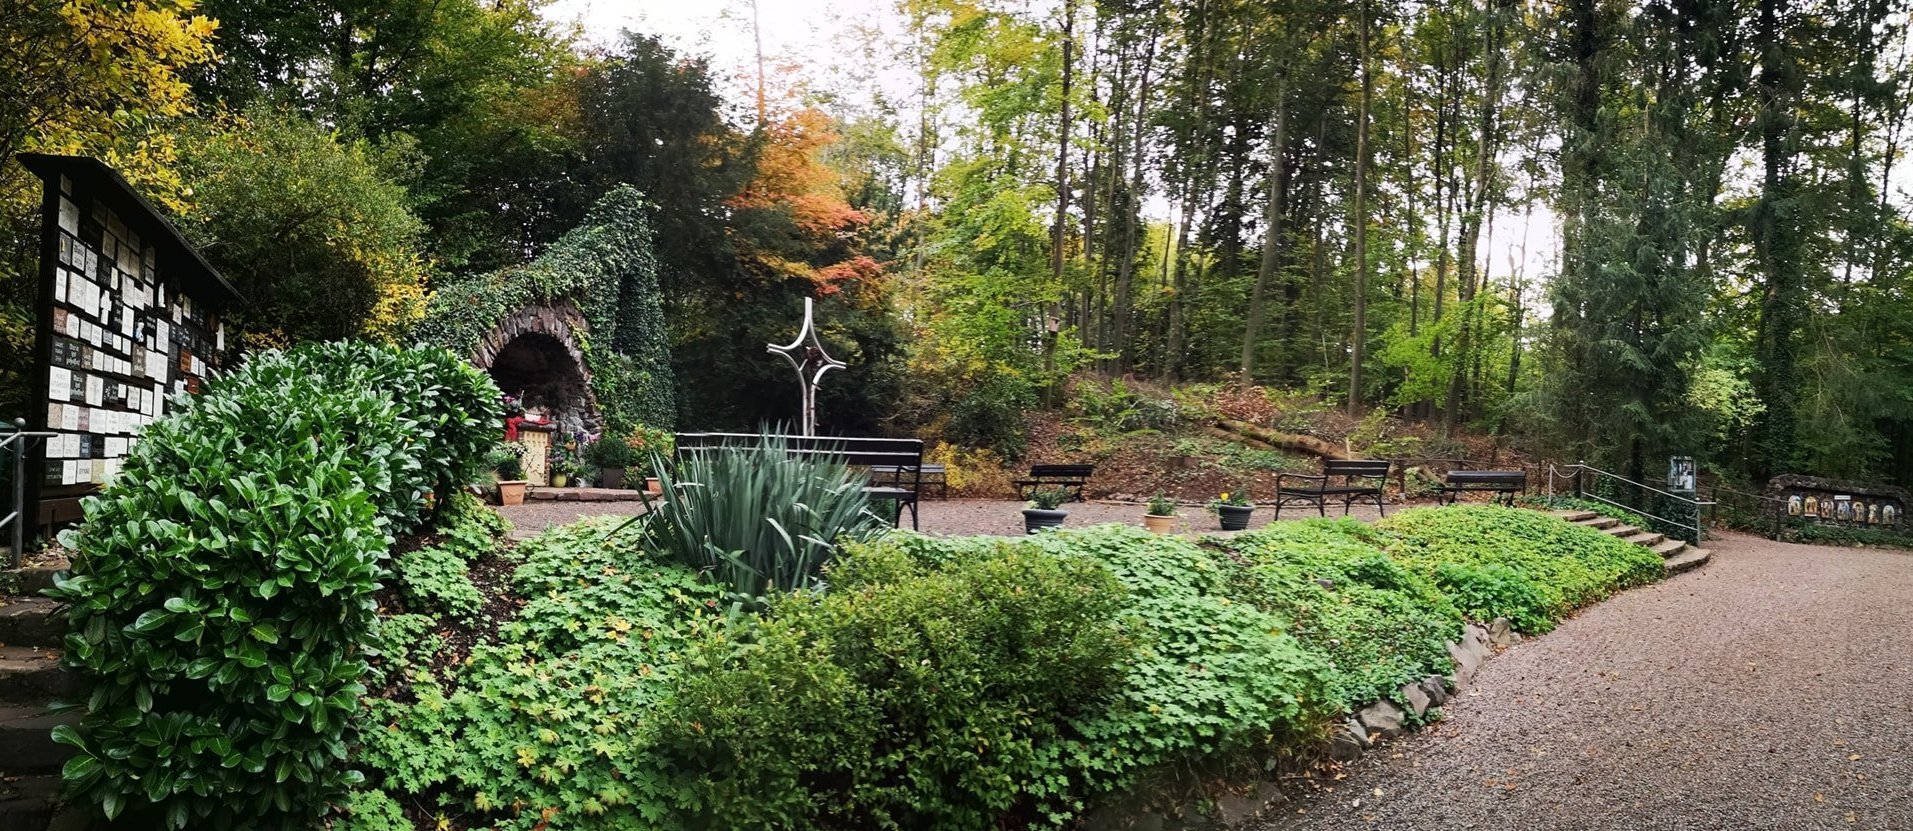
x: 1503, y: 483
x: 1361, y: 480
x: 129, y: 317
x: 1068, y: 477
x: 895, y: 465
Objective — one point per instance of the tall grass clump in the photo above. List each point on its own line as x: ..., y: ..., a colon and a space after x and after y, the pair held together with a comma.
x: 756, y: 516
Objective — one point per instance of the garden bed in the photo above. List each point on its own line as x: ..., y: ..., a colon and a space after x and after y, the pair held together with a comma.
x: 973, y: 682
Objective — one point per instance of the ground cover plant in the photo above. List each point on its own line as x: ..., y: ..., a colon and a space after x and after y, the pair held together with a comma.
x: 1522, y: 565
x: 971, y: 682
x: 222, y: 585
x: 1378, y: 623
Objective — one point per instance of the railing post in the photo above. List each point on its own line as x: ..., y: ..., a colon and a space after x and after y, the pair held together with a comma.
x: 19, y: 445
x: 1580, y: 468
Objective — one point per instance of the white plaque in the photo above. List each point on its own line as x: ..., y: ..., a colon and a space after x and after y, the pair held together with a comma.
x: 115, y: 447
x: 69, y: 418
x: 95, y: 390
x: 69, y: 472
x: 59, y: 384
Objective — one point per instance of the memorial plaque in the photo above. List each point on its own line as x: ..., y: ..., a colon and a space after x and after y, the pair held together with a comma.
x: 115, y: 279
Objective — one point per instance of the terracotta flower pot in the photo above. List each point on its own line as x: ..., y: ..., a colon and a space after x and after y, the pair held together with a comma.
x: 512, y: 492
x: 652, y: 486
x: 1159, y: 524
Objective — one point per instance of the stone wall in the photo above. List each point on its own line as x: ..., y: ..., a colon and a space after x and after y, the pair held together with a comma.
x: 567, y: 389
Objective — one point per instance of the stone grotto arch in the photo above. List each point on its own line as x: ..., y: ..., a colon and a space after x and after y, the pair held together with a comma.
x: 533, y: 353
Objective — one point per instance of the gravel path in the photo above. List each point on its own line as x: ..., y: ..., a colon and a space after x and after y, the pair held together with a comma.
x: 1769, y: 690
x: 938, y: 516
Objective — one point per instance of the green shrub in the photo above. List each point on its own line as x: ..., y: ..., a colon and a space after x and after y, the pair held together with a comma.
x: 222, y: 584
x: 1377, y: 623
x: 468, y: 528
x: 905, y: 697
x: 757, y: 517
x: 1509, y: 562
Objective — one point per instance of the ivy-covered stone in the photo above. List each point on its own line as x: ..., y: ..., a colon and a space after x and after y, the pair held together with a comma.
x: 607, y: 269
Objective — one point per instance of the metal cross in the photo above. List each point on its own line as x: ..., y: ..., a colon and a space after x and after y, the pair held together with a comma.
x: 811, y: 362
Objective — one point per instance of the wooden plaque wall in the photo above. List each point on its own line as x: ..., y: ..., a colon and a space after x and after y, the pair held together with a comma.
x: 129, y: 317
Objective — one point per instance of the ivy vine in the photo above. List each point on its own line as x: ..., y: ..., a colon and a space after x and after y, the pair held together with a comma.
x: 607, y: 267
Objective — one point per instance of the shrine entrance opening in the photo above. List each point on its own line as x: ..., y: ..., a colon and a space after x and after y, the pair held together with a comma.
x: 546, y: 378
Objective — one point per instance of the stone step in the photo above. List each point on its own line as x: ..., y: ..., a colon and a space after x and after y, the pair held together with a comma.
x: 1670, y: 548
x: 1693, y: 558
x: 1622, y: 531
x: 31, y: 621
x: 26, y: 739
x: 1600, y: 523
x: 1646, y: 539
x: 29, y: 581
x: 28, y: 803
x: 30, y: 675
x: 1574, y: 516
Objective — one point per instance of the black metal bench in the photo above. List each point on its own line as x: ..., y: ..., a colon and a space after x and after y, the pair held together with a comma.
x: 1353, y: 488
x: 1504, y: 483
x: 1069, y: 477
x: 895, y: 465
x: 934, y: 476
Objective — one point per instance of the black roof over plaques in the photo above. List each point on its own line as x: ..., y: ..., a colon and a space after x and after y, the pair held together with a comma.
x: 177, y: 258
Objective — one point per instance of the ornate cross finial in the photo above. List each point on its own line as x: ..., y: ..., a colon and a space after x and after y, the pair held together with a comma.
x: 811, y: 362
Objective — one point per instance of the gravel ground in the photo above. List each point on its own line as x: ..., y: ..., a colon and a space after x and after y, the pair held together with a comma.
x: 1769, y: 690
x: 939, y: 516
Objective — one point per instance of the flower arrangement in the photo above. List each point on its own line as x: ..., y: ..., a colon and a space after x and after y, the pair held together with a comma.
x: 1233, y: 499
x: 566, y: 458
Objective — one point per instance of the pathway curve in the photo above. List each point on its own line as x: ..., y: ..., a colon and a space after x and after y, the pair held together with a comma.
x: 1772, y: 689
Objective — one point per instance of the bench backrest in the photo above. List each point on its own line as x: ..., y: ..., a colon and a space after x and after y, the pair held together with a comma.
x: 1357, y: 468
x: 1488, y: 477
x: 1061, y: 471
x: 859, y: 451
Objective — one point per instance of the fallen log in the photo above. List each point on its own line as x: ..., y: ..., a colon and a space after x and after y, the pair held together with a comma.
x: 1243, y: 431
x: 1226, y: 435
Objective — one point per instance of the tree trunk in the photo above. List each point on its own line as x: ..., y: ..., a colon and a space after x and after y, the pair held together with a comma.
x: 1272, y: 228
x: 1359, y: 336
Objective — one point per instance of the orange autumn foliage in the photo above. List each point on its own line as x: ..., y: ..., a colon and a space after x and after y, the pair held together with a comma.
x: 793, y: 180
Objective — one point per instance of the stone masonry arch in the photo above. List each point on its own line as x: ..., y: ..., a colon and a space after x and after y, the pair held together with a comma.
x: 534, y: 353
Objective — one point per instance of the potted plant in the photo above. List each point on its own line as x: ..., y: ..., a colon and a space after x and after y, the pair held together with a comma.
x: 1045, y: 509
x: 651, y: 447
x: 566, y: 463
x: 1160, y: 518
x: 508, y: 464
x: 613, y: 457
x: 1233, y: 510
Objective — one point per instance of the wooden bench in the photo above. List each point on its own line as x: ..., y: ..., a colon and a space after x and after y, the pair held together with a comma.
x: 895, y: 465
x: 1069, y: 477
x: 1504, y: 483
x: 1355, y: 485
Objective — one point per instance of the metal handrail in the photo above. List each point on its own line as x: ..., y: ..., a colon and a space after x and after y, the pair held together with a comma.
x: 1698, y: 529
x: 15, y: 441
